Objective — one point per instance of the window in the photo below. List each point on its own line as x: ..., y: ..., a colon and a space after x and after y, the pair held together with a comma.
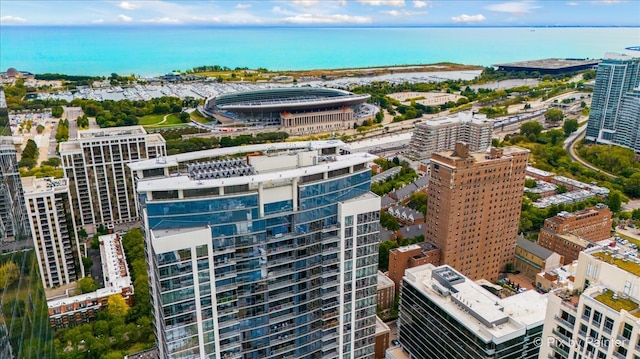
x: 608, y: 325
x: 626, y: 332
x: 586, y: 314
x: 597, y: 318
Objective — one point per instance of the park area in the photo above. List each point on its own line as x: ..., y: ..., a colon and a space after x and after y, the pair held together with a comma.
x: 160, y: 121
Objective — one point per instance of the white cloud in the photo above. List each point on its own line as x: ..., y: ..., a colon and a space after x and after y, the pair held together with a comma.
x: 468, y: 18
x: 609, y: 2
x: 514, y: 8
x: 128, y: 6
x: 342, y: 2
x: 277, y: 10
x: 403, y: 12
x: 12, y: 20
x: 306, y: 19
x: 572, y: 3
x: 420, y: 4
x: 398, y: 3
x: 123, y: 18
x: 243, y: 6
x: 98, y: 21
x: 305, y: 3
x: 162, y: 20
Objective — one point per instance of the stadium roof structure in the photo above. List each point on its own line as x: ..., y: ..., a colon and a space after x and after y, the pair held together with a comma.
x: 550, y: 66
x: 285, y: 100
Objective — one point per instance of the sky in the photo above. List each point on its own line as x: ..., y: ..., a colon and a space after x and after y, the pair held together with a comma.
x: 322, y: 13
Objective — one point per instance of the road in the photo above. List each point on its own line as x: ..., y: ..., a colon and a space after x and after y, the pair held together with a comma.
x: 569, y: 144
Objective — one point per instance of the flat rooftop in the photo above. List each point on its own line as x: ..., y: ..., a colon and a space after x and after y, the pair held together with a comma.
x: 33, y: 185
x: 384, y: 280
x: 491, y: 318
x: 111, y: 132
x: 174, y: 160
x: 459, y: 118
x: 185, y: 182
x: 115, y: 272
x: 551, y: 63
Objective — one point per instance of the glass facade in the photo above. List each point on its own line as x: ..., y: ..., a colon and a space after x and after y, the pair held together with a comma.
x: 614, y: 78
x: 427, y: 331
x: 284, y: 284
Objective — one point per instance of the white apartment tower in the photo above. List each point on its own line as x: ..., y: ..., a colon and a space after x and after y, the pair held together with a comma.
x: 102, y: 190
x: 443, y: 133
x: 599, y: 319
x: 262, y: 251
x: 53, y: 230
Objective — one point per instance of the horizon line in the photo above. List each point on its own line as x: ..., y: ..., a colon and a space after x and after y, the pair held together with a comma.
x: 135, y: 25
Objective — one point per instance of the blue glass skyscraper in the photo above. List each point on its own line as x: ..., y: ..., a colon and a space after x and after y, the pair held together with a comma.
x: 616, y: 76
x: 264, y: 251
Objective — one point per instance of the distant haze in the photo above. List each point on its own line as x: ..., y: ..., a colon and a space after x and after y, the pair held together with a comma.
x: 157, y: 50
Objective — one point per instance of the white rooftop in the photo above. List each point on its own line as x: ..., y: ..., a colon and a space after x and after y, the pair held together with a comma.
x: 184, y: 182
x: 475, y: 307
x: 174, y: 160
x: 33, y: 185
x: 379, y: 143
x: 460, y: 117
x: 383, y: 280
x: 115, y: 272
x: 111, y: 132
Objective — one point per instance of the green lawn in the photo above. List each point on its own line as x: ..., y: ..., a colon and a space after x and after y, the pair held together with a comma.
x: 198, y: 117
x: 156, y: 121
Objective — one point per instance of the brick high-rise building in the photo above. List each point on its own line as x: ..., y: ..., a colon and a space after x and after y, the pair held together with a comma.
x: 474, y: 208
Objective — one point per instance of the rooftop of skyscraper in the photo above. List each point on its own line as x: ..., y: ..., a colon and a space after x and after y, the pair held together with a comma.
x: 112, y: 131
x: 32, y: 184
x: 490, y: 317
x: 460, y: 117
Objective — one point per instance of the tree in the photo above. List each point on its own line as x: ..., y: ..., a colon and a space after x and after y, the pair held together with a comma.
x: 530, y: 183
x: 388, y: 221
x: 9, y: 272
x: 531, y: 127
x: 184, y: 117
x: 57, y: 111
x: 554, y: 115
x: 624, y: 215
x: 383, y: 257
x: 632, y: 185
x: 570, y: 126
x: 86, y: 285
x: 116, y: 306
x: 40, y: 129
x: 614, y: 201
x: 87, y: 263
x: 53, y: 162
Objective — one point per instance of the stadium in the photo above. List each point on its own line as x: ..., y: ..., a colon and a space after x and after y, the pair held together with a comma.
x: 298, y: 111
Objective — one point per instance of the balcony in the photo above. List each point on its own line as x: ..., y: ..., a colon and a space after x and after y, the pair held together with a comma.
x: 564, y: 322
x: 559, y: 350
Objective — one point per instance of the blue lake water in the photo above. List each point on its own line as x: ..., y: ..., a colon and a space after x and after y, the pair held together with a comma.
x: 102, y: 50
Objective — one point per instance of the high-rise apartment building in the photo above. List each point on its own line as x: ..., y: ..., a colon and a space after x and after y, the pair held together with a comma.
x: 617, y: 74
x: 262, y: 251
x: 628, y: 133
x: 474, y: 208
x: 443, y: 314
x: 102, y: 190
x: 569, y: 233
x: 53, y: 230
x: 599, y: 317
x: 14, y: 224
x: 442, y: 134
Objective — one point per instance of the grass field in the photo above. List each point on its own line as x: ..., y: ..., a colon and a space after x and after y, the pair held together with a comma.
x: 198, y: 117
x: 156, y: 121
